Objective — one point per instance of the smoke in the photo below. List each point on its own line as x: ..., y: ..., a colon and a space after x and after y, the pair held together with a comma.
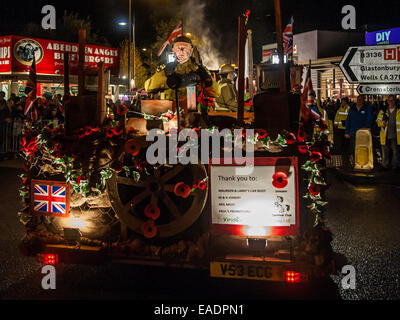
x: 194, y: 21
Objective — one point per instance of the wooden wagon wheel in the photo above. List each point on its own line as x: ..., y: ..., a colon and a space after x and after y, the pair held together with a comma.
x: 129, y: 198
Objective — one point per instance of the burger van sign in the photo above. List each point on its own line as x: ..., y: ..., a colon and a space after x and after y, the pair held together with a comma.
x: 50, y: 55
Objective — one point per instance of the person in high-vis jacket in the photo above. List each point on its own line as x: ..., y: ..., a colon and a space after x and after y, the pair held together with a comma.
x: 340, y: 126
x: 389, y: 123
x: 227, y: 101
x: 185, y: 70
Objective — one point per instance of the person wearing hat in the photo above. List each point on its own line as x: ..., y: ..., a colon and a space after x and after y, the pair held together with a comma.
x: 227, y: 101
x: 181, y: 73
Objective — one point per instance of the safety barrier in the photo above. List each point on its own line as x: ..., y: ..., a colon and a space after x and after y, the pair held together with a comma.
x: 10, y: 135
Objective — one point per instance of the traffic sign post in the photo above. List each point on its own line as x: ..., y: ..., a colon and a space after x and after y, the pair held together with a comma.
x: 378, y: 89
x: 372, y: 64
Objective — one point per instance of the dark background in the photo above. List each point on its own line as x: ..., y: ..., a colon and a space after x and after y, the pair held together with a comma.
x: 221, y: 16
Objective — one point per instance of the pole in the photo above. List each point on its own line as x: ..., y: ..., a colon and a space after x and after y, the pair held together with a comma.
x: 279, y: 40
x: 134, y: 50
x: 129, y: 46
x: 250, y: 62
x: 66, y: 91
x: 241, y: 54
x: 66, y: 74
x: 81, y: 62
x: 177, y: 110
x: 101, y: 113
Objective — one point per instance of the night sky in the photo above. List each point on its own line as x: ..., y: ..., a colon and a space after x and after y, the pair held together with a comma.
x: 220, y: 16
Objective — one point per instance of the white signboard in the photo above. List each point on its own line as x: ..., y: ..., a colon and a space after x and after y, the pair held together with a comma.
x: 378, y: 89
x: 372, y: 64
x: 252, y: 200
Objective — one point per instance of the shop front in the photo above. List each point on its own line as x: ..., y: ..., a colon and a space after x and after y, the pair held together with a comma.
x: 17, y: 53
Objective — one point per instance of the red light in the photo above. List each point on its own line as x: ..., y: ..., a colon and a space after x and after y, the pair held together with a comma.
x: 48, y: 258
x: 293, y: 277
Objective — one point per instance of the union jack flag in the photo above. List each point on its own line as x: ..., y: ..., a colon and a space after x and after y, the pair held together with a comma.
x: 288, y: 39
x: 50, y: 197
x: 29, y: 108
x: 178, y: 31
x: 308, y: 104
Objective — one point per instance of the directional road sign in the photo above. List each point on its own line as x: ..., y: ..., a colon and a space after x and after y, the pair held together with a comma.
x: 372, y: 64
x: 378, y: 89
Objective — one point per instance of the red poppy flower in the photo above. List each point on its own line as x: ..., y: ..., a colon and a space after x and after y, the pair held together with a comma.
x: 290, y: 138
x: 152, y: 211
x: 315, y: 156
x: 303, y: 148
x: 25, y: 181
x: 262, y: 133
x: 117, y: 131
x: 117, y: 166
x: 122, y: 110
x: 132, y: 147
x: 201, y: 185
x: 182, y: 190
x: 109, y: 133
x: 81, y: 133
x: 301, y: 134
x: 279, y: 180
x: 149, y: 230
x: 314, y: 189
x: 88, y: 130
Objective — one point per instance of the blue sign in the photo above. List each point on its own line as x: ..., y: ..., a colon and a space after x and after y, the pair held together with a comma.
x: 389, y: 36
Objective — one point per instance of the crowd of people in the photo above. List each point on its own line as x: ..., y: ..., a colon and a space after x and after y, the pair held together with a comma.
x: 12, y: 110
x: 382, y: 118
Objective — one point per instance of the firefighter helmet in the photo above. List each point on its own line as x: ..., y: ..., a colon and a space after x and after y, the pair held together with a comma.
x: 226, y: 68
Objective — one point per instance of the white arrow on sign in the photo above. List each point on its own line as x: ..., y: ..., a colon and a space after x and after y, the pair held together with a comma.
x: 378, y: 89
x: 372, y: 64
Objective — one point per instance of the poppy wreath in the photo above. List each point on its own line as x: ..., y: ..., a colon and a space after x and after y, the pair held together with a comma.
x: 152, y: 211
x: 132, y: 147
x: 149, y: 230
x: 182, y: 190
x: 279, y: 180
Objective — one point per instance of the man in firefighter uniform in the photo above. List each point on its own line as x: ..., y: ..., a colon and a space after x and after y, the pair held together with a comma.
x: 389, y: 123
x: 182, y: 73
x: 340, y: 126
x: 227, y: 101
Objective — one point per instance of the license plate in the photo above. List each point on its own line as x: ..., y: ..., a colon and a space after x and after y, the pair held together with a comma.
x: 242, y: 270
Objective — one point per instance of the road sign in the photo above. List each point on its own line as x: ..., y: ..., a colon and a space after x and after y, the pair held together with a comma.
x: 378, y: 89
x: 372, y: 64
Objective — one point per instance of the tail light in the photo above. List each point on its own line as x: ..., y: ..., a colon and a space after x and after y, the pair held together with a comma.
x: 294, y: 277
x: 48, y: 258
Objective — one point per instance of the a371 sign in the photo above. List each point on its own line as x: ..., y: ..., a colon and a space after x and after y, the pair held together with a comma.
x: 372, y: 64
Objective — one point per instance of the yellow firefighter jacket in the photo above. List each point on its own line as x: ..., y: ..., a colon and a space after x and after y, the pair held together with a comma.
x: 227, y: 100
x: 341, y: 115
x: 384, y: 127
x: 158, y: 82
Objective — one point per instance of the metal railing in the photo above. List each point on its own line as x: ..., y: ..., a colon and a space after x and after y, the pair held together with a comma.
x: 11, y: 132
